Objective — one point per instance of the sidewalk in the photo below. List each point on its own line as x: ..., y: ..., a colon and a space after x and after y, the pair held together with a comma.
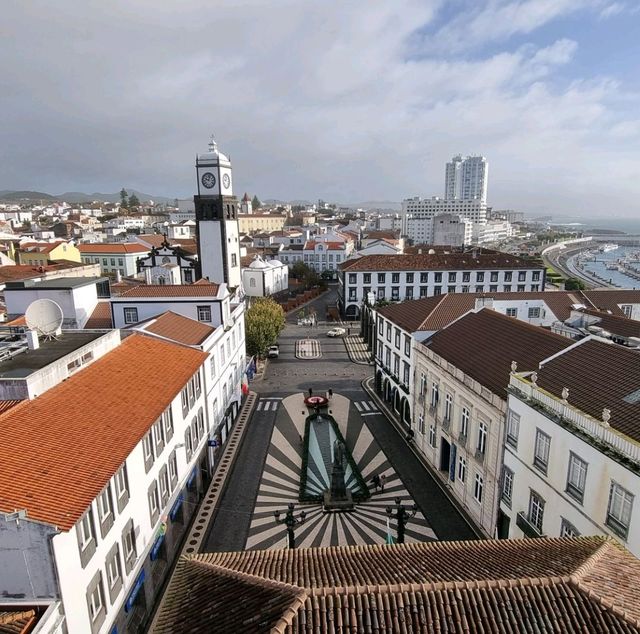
x: 357, y: 349
x: 367, y: 385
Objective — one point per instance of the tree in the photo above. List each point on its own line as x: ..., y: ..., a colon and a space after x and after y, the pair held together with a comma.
x: 574, y: 284
x: 124, y: 198
x: 299, y: 270
x: 133, y: 201
x: 255, y: 203
x: 264, y: 321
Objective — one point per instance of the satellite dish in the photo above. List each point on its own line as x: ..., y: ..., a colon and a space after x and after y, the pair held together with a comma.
x: 44, y: 316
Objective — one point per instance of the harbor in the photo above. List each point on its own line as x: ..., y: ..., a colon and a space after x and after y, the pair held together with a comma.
x: 610, y: 264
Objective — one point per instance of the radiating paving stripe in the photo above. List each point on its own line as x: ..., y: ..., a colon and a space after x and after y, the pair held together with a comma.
x: 367, y: 524
x: 308, y: 349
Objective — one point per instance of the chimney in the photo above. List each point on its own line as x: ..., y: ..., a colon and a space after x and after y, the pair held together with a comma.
x: 33, y: 342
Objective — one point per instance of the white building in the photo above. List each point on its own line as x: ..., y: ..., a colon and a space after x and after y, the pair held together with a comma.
x: 409, y: 276
x: 493, y: 231
x: 572, y: 446
x: 418, y: 215
x: 263, y: 278
x: 452, y: 230
x: 466, y: 178
x: 114, y: 258
x: 90, y: 521
x: 460, y: 401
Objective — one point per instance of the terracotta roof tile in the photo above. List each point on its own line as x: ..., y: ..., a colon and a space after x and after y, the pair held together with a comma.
x: 437, y: 261
x: 484, y: 344
x: 7, y: 405
x: 100, y: 318
x: 60, y: 449
x: 598, y: 375
x: 616, y: 324
x: 179, y: 328
x: 18, y: 621
x: 610, y: 299
x: 199, y: 289
x: 543, y: 585
x: 117, y: 247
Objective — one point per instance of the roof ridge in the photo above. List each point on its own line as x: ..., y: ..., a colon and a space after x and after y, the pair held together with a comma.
x: 603, y: 549
x: 433, y: 310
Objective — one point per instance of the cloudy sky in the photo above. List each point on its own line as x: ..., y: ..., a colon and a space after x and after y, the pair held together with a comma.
x: 347, y: 100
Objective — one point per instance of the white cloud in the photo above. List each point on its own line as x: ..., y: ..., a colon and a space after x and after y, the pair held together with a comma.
x: 310, y: 99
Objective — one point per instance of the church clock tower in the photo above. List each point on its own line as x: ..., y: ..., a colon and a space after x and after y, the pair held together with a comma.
x: 217, y: 218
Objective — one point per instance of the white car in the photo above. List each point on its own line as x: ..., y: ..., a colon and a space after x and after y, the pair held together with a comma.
x: 336, y: 332
x: 274, y: 352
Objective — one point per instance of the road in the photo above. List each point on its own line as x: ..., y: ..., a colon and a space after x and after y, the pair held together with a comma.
x: 333, y: 370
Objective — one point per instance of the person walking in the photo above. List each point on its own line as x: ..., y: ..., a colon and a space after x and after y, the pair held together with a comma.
x: 383, y: 480
x: 376, y: 481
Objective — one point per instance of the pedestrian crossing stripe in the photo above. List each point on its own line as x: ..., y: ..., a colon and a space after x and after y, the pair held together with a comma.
x: 265, y: 405
x: 366, y: 407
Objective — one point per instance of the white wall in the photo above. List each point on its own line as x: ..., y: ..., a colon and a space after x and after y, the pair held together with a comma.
x: 150, y: 309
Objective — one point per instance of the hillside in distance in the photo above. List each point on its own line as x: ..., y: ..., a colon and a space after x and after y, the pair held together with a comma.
x: 27, y: 196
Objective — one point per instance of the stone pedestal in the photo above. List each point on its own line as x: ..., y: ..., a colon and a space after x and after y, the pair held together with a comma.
x: 337, y: 506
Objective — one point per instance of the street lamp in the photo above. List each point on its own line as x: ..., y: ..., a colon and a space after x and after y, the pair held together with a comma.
x: 402, y: 516
x: 290, y: 522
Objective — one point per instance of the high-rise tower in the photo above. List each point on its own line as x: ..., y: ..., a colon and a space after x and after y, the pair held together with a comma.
x: 466, y: 178
x: 217, y: 219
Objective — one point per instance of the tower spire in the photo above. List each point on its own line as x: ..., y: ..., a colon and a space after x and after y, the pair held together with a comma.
x: 213, y: 146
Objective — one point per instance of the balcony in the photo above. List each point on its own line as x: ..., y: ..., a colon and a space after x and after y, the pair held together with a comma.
x: 462, y: 439
x: 446, y: 423
x: 523, y: 523
x: 479, y: 455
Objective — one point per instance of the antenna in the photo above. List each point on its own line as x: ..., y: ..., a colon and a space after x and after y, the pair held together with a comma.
x: 45, y: 317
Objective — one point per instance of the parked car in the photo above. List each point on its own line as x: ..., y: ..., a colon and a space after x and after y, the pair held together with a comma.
x: 336, y: 332
x: 273, y: 352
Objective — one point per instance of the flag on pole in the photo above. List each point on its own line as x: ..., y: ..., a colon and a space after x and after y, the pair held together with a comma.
x: 390, y: 539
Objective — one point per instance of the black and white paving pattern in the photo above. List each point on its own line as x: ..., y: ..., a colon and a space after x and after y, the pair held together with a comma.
x: 279, y: 485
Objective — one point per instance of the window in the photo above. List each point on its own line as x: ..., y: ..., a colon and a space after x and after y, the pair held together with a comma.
x: 432, y: 435
x: 508, y: 276
x: 395, y: 293
x: 451, y: 289
x: 234, y: 259
x: 129, y: 545
x: 512, y: 312
x: 479, y: 277
x: 381, y: 278
x: 154, y: 503
x: 104, y: 504
x: 173, y: 468
x: 535, y: 276
x: 353, y: 278
x: 113, y: 567
x: 164, y: 485
x: 188, y: 443
x: 520, y: 288
x: 493, y: 288
x: 452, y: 278
x: 534, y: 312
x: 567, y: 529
x: 421, y: 423
x: 395, y: 278
x: 478, y: 488
x: 95, y: 600
x: 448, y: 407
x: 147, y: 449
x: 423, y: 383
x: 466, y: 277
x: 437, y: 278
x: 388, y: 332
x: 405, y: 373
x: 507, y: 485
x: 507, y: 288
x: 86, y: 529
x: 437, y: 290
x: 113, y: 261
x: 423, y: 291
x: 494, y: 276
x: 167, y: 417
x: 627, y: 310
x: 482, y: 438
x: 619, y: 511
x: 222, y: 357
x: 424, y: 278
x: 576, y: 477
x: 409, y: 292
x: 479, y: 289
x: 397, y: 337
x: 462, y: 469
x: 522, y: 276
x: 120, y: 262
x: 367, y: 278
x: 407, y: 346
x: 513, y: 428
x: 464, y: 421
x: 536, y: 511
x: 130, y: 315
x: 380, y: 327
x: 122, y: 488
x: 434, y: 395
x: 541, y: 451
x: 158, y: 434
x: 409, y: 278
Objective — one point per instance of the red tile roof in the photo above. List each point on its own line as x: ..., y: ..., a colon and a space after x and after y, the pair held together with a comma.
x: 7, y: 405
x: 616, y: 324
x: 100, y: 318
x: 611, y: 299
x: 598, y: 375
x: 13, y: 273
x: 484, y: 344
x: 179, y: 328
x: 41, y: 247
x: 437, y: 261
x: 61, y: 449
x: 199, y: 289
x: 543, y: 585
x: 118, y: 247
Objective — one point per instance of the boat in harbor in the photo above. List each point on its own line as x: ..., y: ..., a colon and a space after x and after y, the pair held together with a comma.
x: 608, y: 247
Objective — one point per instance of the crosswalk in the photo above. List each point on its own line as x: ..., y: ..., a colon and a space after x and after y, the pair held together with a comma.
x: 366, y: 408
x: 268, y: 404
x: 308, y: 349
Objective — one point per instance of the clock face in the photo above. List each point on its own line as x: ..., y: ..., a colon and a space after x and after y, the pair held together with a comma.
x: 208, y: 180
x: 226, y: 181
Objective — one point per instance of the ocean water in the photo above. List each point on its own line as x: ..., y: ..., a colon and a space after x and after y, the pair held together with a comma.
x: 627, y: 225
x: 599, y: 266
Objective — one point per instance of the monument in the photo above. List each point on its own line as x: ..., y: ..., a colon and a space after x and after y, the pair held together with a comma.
x: 338, y: 497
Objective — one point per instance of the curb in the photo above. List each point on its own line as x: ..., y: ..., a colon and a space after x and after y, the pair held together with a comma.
x: 428, y: 467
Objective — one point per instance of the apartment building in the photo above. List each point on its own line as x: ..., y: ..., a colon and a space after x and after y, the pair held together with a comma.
x: 98, y: 482
x: 460, y: 402
x: 114, y: 258
x: 572, y: 446
x: 393, y: 278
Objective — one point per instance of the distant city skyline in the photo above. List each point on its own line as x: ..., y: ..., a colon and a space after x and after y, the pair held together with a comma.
x: 341, y: 101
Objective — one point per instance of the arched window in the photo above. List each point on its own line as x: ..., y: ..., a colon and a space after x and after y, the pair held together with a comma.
x: 161, y: 280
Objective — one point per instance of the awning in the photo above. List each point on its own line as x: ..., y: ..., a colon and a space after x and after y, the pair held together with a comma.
x: 134, y: 592
x: 177, y: 505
